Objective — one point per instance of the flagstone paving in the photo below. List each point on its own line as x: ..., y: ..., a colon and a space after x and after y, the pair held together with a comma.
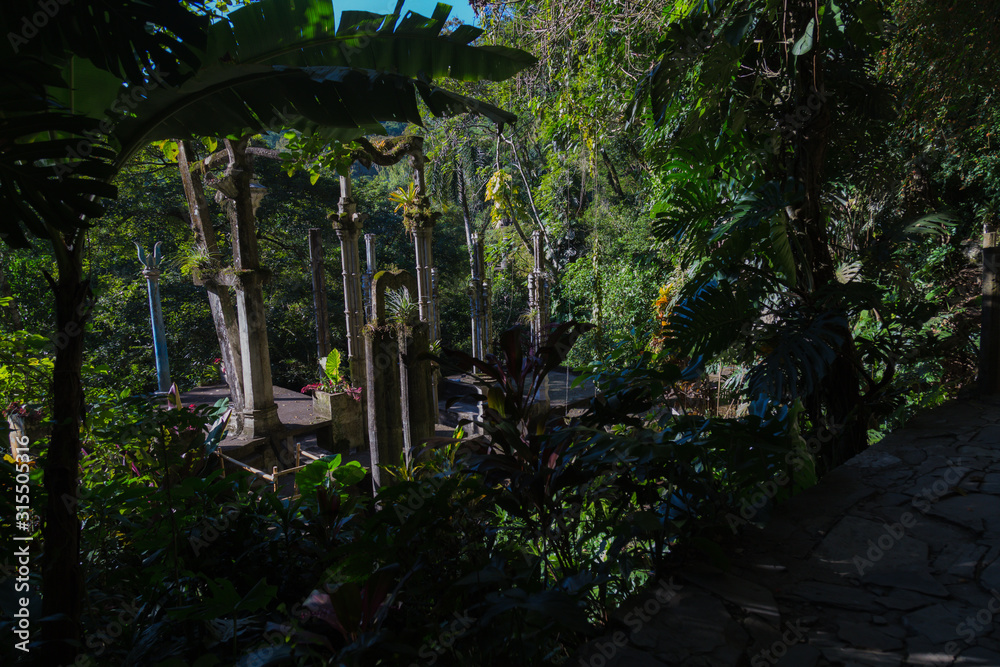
x: 892, y: 560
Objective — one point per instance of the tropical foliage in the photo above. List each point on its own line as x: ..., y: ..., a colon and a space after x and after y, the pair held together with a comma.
x: 762, y: 223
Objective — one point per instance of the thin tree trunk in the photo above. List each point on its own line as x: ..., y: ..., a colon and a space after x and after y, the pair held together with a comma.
x: 615, y: 183
x: 220, y: 302
x: 464, y: 203
x: 62, y: 581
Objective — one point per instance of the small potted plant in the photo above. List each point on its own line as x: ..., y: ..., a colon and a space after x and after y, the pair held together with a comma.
x: 335, y: 399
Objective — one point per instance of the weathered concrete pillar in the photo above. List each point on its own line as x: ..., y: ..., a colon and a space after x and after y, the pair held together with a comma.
x: 216, y: 284
x: 385, y: 414
x: 477, y: 300
x: 319, y: 293
x: 538, y: 304
x: 435, y: 305
x: 347, y: 223
x: 538, y: 294
x: 366, y: 278
x: 260, y: 414
x: 401, y: 409
x: 424, y: 261
x: 151, y: 272
x: 421, y: 222
x: 420, y: 377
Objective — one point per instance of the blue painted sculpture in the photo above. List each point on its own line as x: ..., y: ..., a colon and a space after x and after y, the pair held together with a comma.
x: 151, y: 272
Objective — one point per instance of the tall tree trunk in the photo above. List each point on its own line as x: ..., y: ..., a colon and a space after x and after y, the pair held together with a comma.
x: 220, y: 301
x: 616, y: 184
x: 62, y: 581
x: 318, y: 269
x: 463, y: 201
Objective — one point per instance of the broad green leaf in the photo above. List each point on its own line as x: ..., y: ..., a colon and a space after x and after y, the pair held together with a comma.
x: 737, y: 29
x: 805, y: 43
x: 171, y: 149
x: 302, y: 34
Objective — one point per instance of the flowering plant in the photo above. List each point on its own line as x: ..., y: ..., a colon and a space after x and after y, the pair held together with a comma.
x: 333, y: 382
x: 187, y: 435
x: 27, y: 414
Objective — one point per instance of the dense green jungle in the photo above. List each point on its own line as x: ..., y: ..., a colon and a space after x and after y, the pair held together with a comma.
x: 768, y: 236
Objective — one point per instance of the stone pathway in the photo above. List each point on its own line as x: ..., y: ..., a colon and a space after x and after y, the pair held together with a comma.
x: 893, y: 560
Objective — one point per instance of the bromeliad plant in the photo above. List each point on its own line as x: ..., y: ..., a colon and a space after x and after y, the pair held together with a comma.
x: 333, y: 381
x: 27, y: 413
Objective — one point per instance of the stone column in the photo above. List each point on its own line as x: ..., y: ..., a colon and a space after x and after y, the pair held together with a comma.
x: 347, y: 223
x: 382, y: 394
x: 435, y: 326
x: 538, y: 294
x: 241, y: 199
x: 538, y: 304
x: 424, y: 261
x: 216, y: 284
x: 477, y: 301
x: 400, y: 410
x: 151, y: 272
x: 366, y: 279
x: 319, y: 293
x: 421, y: 222
x: 419, y: 399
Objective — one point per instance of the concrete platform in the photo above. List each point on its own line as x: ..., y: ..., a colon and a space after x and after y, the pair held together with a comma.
x: 892, y: 559
x: 300, y: 426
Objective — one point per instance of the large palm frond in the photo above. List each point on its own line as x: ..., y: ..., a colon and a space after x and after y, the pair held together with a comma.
x: 272, y: 65
x: 303, y: 34
x: 709, y: 321
x: 123, y: 37
x: 800, y: 356
x: 234, y: 100
x: 55, y: 162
